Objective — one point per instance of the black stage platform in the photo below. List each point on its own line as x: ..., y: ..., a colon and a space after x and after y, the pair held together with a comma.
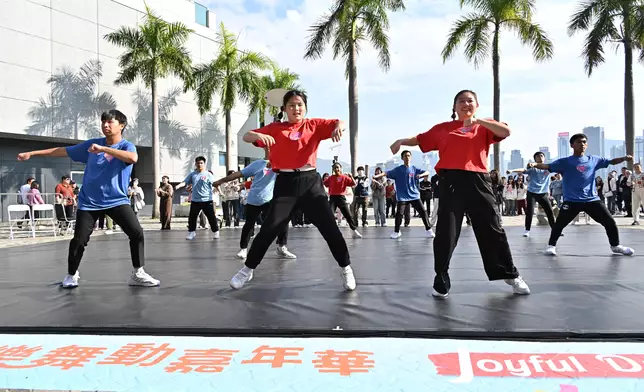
x: 584, y: 292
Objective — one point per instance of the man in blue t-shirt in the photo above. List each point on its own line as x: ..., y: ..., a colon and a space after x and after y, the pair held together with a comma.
x: 108, y: 167
x: 258, y: 202
x: 406, y: 178
x: 201, y: 181
x: 580, y: 192
x: 538, y: 190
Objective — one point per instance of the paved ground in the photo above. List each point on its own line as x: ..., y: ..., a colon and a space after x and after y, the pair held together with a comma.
x: 181, y: 224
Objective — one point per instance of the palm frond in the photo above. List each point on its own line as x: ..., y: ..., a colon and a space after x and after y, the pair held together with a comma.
x: 322, y: 31
x: 468, y: 28
x: 584, y: 16
x: 531, y: 34
x: 375, y: 25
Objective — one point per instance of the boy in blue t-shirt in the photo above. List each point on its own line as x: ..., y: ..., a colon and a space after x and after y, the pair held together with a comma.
x: 580, y: 192
x: 538, y: 190
x: 202, y: 182
x: 106, y: 178
x: 258, y: 202
x: 406, y: 178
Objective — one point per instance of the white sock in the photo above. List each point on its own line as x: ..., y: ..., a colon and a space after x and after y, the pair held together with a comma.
x: 347, y: 268
x: 247, y: 270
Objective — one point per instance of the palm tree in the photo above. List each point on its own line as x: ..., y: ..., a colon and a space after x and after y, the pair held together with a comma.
x: 232, y: 75
x: 349, y: 24
x: 485, y: 24
x: 614, y: 22
x: 154, y: 51
x: 279, y: 78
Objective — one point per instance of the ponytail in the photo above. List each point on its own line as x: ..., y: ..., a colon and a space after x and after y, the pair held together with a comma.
x: 453, y: 114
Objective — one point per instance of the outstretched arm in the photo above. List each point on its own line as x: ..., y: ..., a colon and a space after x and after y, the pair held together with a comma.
x: 56, y: 152
x: 615, y: 161
x: 521, y: 170
x: 411, y: 141
x: 426, y: 174
x: 543, y: 166
x: 377, y: 176
x: 229, y: 178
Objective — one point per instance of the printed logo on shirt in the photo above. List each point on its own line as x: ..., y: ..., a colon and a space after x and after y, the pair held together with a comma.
x: 108, y: 157
x: 465, y: 129
x: 295, y: 135
x: 582, y: 168
x: 339, y: 179
x: 266, y: 170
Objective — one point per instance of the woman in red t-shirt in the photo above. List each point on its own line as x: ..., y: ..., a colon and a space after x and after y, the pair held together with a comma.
x: 465, y: 187
x: 293, y: 149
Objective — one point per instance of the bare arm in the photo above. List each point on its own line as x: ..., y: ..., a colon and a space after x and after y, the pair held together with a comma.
x: 229, y: 178
x: 615, y: 161
x: 543, y: 166
x: 426, y: 174
x: 128, y: 157
x: 377, y: 176
x: 410, y: 141
x: 498, y: 129
x: 56, y: 152
x: 180, y: 185
x: 521, y: 170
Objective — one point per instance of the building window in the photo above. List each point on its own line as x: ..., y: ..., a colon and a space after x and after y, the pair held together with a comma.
x: 201, y: 15
x: 222, y: 158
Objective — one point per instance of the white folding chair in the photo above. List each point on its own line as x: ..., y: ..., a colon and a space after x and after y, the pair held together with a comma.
x: 44, y: 213
x: 64, y: 221
x: 19, y: 214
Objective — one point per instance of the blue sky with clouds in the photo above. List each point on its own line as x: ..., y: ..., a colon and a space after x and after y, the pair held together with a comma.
x: 538, y: 100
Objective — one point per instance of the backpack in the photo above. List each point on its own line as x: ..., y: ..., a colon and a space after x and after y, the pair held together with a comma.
x: 361, y: 188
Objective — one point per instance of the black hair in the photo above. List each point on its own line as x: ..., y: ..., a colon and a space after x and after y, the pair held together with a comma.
x: 338, y: 164
x: 65, y: 177
x: 403, y: 153
x: 115, y: 115
x: 34, y: 184
x: 538, y: 153
x: 378, y: 168
x: 576, y: 136
x: 230, y: 172
x: 456, y: 98
x: 30, y: 178
x: 295, y: 93
x: 200, y: 158
x: 360, y: 168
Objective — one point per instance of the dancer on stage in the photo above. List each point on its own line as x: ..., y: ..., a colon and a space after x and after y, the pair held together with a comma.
x: 106, y: 178
x: 293, y: 149
x: 258, y: 202
x: 338, y: 184
x: 580, y: 192
x: 538, y: 190
x: 406, y: 178
x: 201, y: 181
x: 465, y: 186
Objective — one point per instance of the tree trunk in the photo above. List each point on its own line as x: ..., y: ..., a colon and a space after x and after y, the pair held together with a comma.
x: 229, y: 142
x: 353, y: 107
x: 629, y: 100
x: 156, y: 150
x: 496, y: 94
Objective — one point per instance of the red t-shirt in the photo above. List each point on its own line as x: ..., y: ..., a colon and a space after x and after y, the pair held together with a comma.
x: 66, y: 192
x: 459, y: 148
x: 296, y: 144
x: 338, y: 184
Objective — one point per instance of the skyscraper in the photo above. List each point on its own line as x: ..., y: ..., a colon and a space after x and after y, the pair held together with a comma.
x: 563, y: 144
x: 595, y: 140
x: 546, y: 152
x: 516, y: 160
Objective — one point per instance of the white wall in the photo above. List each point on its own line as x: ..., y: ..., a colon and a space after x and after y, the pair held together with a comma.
x: 46, y: 38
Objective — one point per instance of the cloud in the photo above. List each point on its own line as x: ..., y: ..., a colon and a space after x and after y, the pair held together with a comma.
x: 537, y: 99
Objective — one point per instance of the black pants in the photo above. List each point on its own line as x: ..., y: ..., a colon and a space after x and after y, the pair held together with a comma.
x: 403, y: 208
x: 339, y: 201
x: 544, y: 202
x: 299, y: 190
x: 208, y: 209
x: 231, y: 211
x: 123, y: 216
x: 360, y: 203
x: 595, y: 209
x: 252, y: 213
x: 391, y: 203
x: 470, y: 192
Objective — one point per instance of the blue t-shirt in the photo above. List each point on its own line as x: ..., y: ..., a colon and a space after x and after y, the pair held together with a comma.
x: 201, y: 185
x: 539, y: 180
x: 406, y: 181
x: 261, y: 190
x: 579, y: 176
x: 106, y: 179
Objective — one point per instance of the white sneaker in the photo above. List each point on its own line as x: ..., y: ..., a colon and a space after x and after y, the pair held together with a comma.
x: 518, y: 286
x: 550, y: 251
x: 348, y: 279
x: 108, y: 231
x: 283, y: 252
x: 430, y: 233
x: 356, y: 234
x: 191, y: 235
x: 241, y: 278
x: 439, y: 295
x: 71, y: 281
x: 242, y: 254
x: 142, y: 278
x: 395, y: 235
x: 384, y: 225
x: 526, y: 233
x: 626, y: 251
x: 216, y: 235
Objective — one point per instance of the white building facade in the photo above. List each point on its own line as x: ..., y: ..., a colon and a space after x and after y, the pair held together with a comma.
x: 56, y: 77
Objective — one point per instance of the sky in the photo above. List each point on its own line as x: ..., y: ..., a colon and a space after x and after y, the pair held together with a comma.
x: 538, y: 100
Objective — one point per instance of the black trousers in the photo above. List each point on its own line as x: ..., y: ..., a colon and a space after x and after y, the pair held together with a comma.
x: 470, y: 192
x: 360, y: 203
x: 208, y: 209
x: 403, y: 208
x: 252, y: 213
x: 231, y: 211
x: 544, y: 202
x: 299, y: 190
x: 339, y: 201
x: 123, y: 216
x: 595, y: 209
